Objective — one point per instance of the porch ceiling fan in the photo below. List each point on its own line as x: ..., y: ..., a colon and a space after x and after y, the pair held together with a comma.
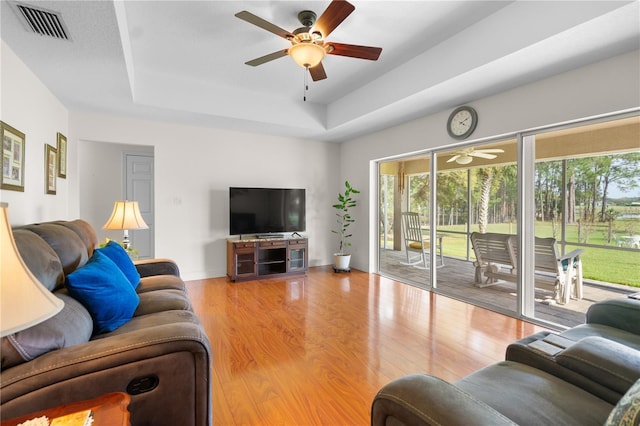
x: 465, y: 156
x: 308, y: 45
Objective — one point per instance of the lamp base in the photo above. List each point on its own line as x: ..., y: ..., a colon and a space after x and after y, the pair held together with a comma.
x: 125, y: 240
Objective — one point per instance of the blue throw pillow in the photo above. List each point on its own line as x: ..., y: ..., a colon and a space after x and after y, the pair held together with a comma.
x: 104, y: 290
x: 119, y: 256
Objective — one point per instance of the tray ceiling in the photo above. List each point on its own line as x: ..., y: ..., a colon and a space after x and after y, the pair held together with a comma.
x: 183, y: 61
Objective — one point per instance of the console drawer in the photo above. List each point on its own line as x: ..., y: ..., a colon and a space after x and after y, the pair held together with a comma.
x: 273, y: 244
x: 297, y: 243
x: 244, y: 245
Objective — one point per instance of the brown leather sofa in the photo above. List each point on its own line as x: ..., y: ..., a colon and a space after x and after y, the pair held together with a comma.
x: 593, y: 380
x: 161, y: 356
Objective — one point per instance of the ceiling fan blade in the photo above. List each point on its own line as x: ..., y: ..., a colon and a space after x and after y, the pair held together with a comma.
x: 494, y: 150
x: 454, y: 158
x: 265, y: 25
x: 317, y: 72
x: 482, y: 155
x: 266, y: 58
x: 333, y: 16
x: 354, y: 51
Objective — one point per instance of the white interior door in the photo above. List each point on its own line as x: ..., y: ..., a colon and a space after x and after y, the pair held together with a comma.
x: 139, y: 187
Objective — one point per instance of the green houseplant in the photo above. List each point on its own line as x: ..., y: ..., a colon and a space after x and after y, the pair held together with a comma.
x: 345, y: 203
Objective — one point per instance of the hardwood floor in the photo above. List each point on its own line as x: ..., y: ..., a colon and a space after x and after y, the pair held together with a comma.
x: 315, y: 349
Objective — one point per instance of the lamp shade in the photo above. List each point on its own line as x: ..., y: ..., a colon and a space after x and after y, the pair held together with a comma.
x: 125, y: 215
x: 307, y: 54
x: 24, y: 301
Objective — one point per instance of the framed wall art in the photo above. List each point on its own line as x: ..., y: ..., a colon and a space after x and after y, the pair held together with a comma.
x: 50, y: 168
x: 62, y: 155
x: 13, y: 142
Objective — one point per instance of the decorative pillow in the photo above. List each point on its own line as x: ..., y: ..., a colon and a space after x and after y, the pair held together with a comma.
x: 417, y: 246
x: 119, y: 256
x: 104, y: 290
x: 627, y: 410
x: 71, y: 326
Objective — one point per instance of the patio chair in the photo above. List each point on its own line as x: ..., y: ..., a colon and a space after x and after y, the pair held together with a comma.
x: 620, y: 241
x: 415, y: 242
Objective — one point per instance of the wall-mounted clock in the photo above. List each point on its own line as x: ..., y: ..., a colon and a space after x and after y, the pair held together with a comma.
x: 462, y: 122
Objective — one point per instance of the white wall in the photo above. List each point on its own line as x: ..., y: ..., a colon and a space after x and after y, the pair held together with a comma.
x: 605, y: 87
x: 194, y: 168
x: 28, y: 106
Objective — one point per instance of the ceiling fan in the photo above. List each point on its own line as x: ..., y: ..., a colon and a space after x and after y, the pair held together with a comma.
x: 308, y: 46
x: 465, y: 156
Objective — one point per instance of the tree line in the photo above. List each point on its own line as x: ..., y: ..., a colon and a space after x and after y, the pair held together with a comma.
x: 588, y: 182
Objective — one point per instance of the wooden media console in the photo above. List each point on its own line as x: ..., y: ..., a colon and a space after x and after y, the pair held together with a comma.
x: 250, y: 259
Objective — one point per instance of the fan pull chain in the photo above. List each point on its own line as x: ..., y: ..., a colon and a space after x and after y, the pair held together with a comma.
x: 306, y: 85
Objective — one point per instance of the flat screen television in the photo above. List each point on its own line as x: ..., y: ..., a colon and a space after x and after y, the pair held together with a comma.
x: 263, y: 211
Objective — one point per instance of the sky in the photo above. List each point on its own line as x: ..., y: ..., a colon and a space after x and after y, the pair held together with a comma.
x: 615, y: 192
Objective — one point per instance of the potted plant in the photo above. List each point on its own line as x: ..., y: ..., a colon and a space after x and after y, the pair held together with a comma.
x: 345, y: 203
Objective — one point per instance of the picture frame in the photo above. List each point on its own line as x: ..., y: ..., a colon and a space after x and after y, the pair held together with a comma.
x: 62, y: 155
x: 13, y: 158
x: 50, y: 168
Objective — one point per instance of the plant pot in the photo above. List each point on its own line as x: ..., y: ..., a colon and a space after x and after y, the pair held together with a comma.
x: 341, y: 261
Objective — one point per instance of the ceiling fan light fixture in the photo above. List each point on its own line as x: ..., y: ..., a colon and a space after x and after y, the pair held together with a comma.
x: 308, y: 45
x: 306, y: 54
x: 464, y: 159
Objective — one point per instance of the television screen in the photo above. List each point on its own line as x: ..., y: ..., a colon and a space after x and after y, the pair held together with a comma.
x: 266, y: 210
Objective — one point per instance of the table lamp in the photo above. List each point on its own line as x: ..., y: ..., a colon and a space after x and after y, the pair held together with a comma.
x: 126, y: 215
x: 24, y: 301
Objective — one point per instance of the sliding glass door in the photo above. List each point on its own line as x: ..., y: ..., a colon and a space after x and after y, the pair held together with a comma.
x: 541, y: 225
x: 477, y: 195
x: 587, y: 200
x: 404, y: 210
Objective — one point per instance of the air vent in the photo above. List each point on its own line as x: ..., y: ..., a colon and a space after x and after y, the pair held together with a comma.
x: 43, y: 22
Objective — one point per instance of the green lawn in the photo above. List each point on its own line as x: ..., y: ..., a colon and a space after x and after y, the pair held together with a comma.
x: 601, y: 264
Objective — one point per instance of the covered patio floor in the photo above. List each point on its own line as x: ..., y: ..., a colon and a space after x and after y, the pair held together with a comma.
x: 456, y: 279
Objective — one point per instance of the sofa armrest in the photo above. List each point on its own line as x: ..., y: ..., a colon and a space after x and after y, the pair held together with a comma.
x: 603, y: 361
x: 112, y: 351
x: 149, y: 267
x: 620, y: 313
x: 421, y: 399
x: 178, y: 355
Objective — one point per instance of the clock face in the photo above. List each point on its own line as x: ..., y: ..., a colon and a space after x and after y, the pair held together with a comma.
x: 462, y: 122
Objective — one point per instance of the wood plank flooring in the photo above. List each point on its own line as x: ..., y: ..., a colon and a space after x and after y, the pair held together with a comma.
x: 314, y: 350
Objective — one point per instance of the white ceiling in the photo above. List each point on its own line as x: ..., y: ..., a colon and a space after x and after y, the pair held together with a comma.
x: 183, y: 61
